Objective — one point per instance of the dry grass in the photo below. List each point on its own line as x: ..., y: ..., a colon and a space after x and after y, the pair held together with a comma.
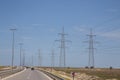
x: 102, y: 72
x: 3, y: 67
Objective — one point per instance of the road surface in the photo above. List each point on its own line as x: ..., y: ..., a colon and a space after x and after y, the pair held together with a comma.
x: 29, y: 74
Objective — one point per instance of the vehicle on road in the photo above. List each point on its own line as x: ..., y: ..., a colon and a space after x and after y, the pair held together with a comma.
x: 32, y: 68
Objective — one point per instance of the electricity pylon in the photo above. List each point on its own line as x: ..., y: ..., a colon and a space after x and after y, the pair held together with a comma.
x: 62, y: 58
x: 39, y: 58
x: 20, y: 53
x: 91, y: 49
x: 52, y: 59
x: 23, y: 57
x: 13, y: 45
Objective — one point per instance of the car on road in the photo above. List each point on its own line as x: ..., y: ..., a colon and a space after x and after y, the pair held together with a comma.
x: 32, y: 68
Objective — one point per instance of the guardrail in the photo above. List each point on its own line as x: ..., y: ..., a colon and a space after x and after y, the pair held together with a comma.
x: 54, y: 77
x: 6, y: 73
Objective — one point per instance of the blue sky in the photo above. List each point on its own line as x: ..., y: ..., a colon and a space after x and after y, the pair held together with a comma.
x: 38, y: 23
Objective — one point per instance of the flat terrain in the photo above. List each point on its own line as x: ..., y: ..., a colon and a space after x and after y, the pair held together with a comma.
x: 4, y: 68
x: 103, y: 73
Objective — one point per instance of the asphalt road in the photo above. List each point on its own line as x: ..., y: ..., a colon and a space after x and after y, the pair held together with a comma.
x: 29, y: 74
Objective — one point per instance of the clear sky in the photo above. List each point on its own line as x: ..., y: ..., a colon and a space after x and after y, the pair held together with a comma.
x: 38, y: 23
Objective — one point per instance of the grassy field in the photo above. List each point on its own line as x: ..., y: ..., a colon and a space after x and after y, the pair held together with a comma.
x: 103, y: 73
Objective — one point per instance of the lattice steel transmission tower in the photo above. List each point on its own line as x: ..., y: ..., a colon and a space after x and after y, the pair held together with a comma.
x: 13, y: 45
x: 39, y: 58
x: 21, y: 50
x: 91, y: 49
x: 32, y: 61
x: 62, y: 58
x: 52, y: 59
x: 23, y: 63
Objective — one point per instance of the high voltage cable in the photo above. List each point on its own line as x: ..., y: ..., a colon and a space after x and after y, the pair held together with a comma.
x: 109, y: 20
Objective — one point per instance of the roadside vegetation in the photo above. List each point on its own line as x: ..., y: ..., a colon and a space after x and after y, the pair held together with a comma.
x: 4, y: 67
x: 104, y: 73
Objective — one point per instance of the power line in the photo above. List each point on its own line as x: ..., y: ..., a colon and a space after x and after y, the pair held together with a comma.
x: 106, y: 21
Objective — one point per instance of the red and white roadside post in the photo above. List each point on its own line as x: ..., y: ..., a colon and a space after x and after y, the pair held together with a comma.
x: 73, y: 75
